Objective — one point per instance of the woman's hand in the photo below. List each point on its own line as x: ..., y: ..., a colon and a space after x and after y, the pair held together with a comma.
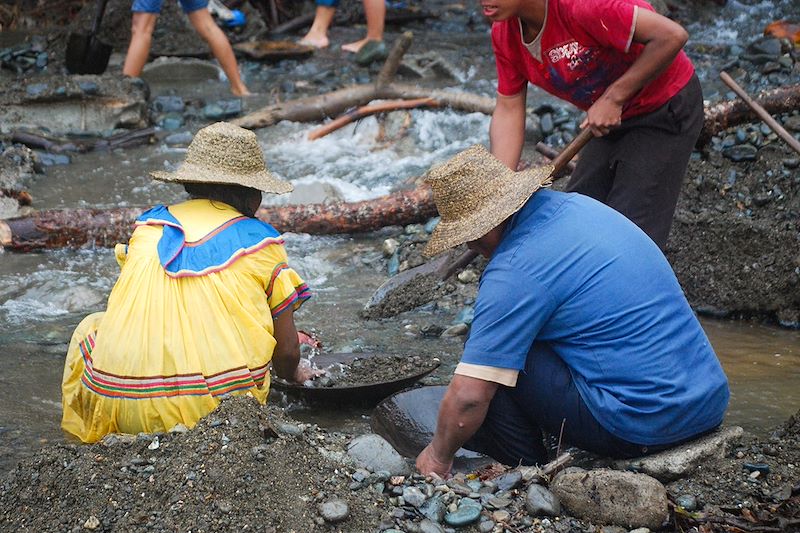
x: 429, y: 464
x: 305, y: 371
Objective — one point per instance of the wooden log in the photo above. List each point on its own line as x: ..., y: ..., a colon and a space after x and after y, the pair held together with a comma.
x: 68, y: 228
x: 57, y: 146
x: 77, y: 228
x: 399, y: 208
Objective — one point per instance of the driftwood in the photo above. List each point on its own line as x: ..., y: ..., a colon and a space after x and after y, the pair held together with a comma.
x: 331, y: 105
x: 367, y: 110
x: 49, y: 144
x: 76, y: 228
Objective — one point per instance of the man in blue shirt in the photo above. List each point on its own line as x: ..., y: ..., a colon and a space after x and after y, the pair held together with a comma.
x: 579, y: 323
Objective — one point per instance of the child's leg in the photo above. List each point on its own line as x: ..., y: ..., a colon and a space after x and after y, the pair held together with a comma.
x: 204, y: 23
x: 375, y: 13
x: 142, y: 26
x: 317, y: 36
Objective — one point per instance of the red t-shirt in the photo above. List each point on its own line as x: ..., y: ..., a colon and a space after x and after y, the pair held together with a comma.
x: 584, y: 46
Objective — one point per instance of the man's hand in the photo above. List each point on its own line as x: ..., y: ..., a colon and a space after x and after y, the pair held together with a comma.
x: 429, y: 464
x: 604, y: 115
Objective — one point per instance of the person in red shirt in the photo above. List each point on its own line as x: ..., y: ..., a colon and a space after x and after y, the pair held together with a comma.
x: 624, y: 65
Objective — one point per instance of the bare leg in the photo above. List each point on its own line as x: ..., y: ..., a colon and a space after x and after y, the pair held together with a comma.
x: 142, y: 25
x: 375, y: 13
x: 317, y: 36
x: 204, y: 23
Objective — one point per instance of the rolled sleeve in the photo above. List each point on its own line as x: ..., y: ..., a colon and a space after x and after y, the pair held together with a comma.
x: 503, y: 376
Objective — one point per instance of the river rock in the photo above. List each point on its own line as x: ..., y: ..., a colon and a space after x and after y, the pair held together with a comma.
x: 17, y: 166
x: 468, y: 511
x: 429, y: 526
x: 741, y: 152
x: 169, y: 70
x: 687, y: 501
x: 612, y: 497
x: 335, y: 510
x: 60, y: 104
x: 679, y: 461
x: 434, y: 509
x: 413, y: 496
x: 374, y: 453
x: 540, y: 501
x: 508, y: 481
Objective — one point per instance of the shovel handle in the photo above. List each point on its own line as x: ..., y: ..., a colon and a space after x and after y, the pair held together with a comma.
x: 460, y: 262
x: 762, y: 113
x: 98, y: 16
x: 566, y: 155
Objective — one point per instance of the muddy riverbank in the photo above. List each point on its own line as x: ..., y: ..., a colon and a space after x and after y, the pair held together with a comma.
x: 248, y: 468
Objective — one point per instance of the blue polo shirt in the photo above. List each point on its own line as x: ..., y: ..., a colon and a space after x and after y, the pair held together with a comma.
x: 576, y: 274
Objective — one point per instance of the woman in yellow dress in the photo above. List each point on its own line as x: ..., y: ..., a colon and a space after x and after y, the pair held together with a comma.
x: 203, y: 305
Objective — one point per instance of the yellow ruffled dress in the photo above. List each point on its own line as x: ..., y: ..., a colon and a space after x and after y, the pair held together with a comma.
x: 189, y: 320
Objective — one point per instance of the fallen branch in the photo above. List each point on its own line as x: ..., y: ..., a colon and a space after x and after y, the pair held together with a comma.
x: 535, y: 473
x: 365, y: 111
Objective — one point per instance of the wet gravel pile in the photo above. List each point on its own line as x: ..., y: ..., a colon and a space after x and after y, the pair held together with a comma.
x: 241, y: 468
x: 246, y: 467
x: 373, y: 370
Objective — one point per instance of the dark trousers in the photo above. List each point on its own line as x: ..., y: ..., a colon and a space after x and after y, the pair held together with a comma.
x: 544, y: 398
x: 638, y: 168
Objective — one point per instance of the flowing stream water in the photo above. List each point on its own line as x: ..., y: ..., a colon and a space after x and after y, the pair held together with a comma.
x: 44, y: 295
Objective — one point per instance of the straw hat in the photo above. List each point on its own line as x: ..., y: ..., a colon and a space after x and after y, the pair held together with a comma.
x: 227, y: 154
x: 474, y: 192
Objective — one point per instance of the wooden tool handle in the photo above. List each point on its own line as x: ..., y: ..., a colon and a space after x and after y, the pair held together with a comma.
x: 460, y: 262
x: 566, y: 155
x: 761, y: 112
x: 98, y: 16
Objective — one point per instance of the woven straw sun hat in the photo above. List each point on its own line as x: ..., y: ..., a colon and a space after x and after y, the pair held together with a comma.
x: 474, y: 192
x: 227, y: 154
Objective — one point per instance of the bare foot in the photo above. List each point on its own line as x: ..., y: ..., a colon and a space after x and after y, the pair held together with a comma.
x: 315, y: 41
x: 240, y: 90
x: 355, y: 46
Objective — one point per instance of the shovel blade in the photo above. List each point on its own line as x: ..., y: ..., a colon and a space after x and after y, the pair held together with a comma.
x: 407, y: 290
x: 86, y: 54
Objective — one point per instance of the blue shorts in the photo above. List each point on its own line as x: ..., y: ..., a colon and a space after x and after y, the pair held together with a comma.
x: 154, y: 6
x: 328, y: 3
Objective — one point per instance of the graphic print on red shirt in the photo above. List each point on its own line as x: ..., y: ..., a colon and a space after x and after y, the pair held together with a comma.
x: 585, y: 45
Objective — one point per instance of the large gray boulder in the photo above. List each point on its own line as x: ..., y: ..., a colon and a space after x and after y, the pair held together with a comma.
x: 681, y: 460
x: 611, y: 497
x: 374, y: 453
x: 74, y: 104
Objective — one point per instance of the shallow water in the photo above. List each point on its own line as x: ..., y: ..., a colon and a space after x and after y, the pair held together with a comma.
x: 44, y: 295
